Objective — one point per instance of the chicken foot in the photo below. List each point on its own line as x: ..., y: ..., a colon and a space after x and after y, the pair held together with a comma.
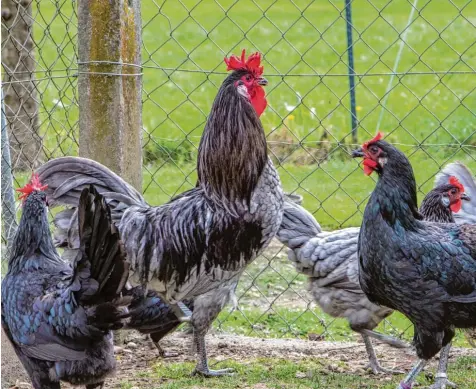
x: 373, y: 361
x: 441, y: 380
x: 407, y: 382
x: 202, y: 365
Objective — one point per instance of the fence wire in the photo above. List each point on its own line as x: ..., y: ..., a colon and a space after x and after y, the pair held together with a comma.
x: 414, y: 79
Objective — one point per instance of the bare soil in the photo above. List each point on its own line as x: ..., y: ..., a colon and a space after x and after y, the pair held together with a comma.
x: 139, y: 355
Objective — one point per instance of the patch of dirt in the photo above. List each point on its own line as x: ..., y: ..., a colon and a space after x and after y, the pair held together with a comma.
x: 141, y: 355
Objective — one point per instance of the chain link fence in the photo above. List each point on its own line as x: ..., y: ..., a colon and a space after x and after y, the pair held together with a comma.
x: 338, y: 71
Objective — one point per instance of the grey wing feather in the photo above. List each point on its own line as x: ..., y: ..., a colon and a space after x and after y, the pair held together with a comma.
x: 462, y: 173
x: 297, y: 226
x: 331, y: 257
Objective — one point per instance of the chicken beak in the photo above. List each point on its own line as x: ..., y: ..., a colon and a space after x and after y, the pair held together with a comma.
x: 262, y: 81
x: 359, y: 153
x: 465, y: 197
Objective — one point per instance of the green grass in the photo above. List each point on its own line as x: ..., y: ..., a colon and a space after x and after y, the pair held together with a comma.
x: 267, y: 373
x: 304, y: 38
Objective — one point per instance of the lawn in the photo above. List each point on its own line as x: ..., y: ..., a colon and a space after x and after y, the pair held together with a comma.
x: 267, y: 373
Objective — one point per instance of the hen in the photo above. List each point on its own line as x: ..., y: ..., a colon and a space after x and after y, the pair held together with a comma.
x: 329, y: 259
x: 425, y: 270
x: 197, y: 245
x: 441, y: 205
x: 461, y: 172
x: 58, y: 316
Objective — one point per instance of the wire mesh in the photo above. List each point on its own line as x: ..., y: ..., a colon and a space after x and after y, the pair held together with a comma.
x: 415, y: 80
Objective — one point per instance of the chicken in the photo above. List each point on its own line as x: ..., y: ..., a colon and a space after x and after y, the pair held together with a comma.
x: 58, y: 316
x: 461, y: 172
x: 441, y: 205
x: 425, y: 270
x: 329, y: 259
x: 196, y: 246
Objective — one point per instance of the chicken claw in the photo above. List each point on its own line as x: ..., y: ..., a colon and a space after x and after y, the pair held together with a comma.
x: 442, y: 382
x: 377, y: 369
x: 214, y: 373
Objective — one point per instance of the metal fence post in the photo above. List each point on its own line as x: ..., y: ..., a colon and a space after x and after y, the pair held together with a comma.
x: 110, y: 85
x: 8, y: 197
x: 350, y: 66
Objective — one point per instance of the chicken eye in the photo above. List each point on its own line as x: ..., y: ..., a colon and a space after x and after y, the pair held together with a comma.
x: 373, y: 149
x: 453, y: 191
x: 248, y: 78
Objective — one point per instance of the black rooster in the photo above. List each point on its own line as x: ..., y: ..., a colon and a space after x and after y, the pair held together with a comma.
x: 425, y: 270
x: 58, y: 316
x: 197, y: 245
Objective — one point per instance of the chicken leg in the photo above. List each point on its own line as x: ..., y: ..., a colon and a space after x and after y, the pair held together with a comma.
x: 206, y: 309
x: 202, y: 365
x: 391, y: 341
x: 408, y: 381
x: 373, y: 361
x: 163, y: 354
x: 441, y: 380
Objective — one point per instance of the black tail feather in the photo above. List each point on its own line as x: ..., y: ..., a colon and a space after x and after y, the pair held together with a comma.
x: 101, y: 248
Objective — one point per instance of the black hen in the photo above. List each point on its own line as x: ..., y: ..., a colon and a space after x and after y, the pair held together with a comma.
x: 329, y: 259
x: 58, y: 316
x: 197, y: 245
x: 441, y: 205
x: 425, y: 270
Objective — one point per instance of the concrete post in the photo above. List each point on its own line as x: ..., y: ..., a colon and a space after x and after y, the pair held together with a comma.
x: 110, y: 85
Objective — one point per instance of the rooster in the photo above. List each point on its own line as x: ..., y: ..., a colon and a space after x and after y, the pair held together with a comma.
x: 58, y: 316
x: 329, y: 259
x: 425, y: 270
x: 196, y: 246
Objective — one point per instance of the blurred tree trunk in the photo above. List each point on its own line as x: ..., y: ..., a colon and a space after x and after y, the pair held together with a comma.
x: 18, y: 63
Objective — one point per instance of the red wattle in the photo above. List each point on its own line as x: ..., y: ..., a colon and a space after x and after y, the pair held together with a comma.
x: 258, y: 100
x: 456, y: 207
x: 369, y: 166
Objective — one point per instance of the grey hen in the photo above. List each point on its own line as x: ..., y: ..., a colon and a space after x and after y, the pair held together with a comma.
x: 329, y: 259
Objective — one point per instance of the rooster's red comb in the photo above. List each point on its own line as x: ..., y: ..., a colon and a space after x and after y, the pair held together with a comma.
x: 33, y: 185
x: 374, y: 139
x: 455, y: 182
x: 252, y: 64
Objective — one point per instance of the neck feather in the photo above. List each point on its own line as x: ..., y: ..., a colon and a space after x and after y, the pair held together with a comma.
x: 233, y: 151
x: 33, y: 238
x: 434, y: 211
x: 394, y: 197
